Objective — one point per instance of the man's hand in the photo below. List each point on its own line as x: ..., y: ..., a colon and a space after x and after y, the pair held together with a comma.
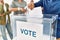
x: 2, y: 14
x: 31, y: 5
x: 23, y: 10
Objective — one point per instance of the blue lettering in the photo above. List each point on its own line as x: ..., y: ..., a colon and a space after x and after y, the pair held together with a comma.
x: 34, y: 34
x: 28, y: 32
x: 22, y: 30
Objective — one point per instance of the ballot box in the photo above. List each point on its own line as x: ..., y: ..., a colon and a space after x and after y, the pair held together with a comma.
x: 33, y: 28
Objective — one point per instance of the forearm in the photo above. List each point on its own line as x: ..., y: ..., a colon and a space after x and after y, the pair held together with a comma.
x: 17, y: 9
x: 13, y: 9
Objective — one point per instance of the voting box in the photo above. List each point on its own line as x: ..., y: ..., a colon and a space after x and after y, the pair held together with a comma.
x: 36, y: 28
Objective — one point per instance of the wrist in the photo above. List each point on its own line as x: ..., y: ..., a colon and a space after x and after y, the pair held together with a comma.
x: 19, y: 9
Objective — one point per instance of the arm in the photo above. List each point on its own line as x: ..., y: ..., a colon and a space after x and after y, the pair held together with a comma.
x: 17, y: 9
x: 14, y: 7
x: 39, y: 3
x: 31, y: 5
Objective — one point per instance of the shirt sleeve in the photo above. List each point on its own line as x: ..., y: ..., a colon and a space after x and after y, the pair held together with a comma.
x: 39, y: 3
x: 55, y: 8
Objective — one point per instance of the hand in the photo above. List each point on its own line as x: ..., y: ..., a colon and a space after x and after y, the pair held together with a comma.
x: 31, y: 5
x: 2, y: 14
x: 23, y: 10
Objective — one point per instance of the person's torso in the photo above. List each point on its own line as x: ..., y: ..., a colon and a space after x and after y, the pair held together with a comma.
x: 20, y: 5
x: 2, y: 18
x: 51, y: 6
x: 1, y: 9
